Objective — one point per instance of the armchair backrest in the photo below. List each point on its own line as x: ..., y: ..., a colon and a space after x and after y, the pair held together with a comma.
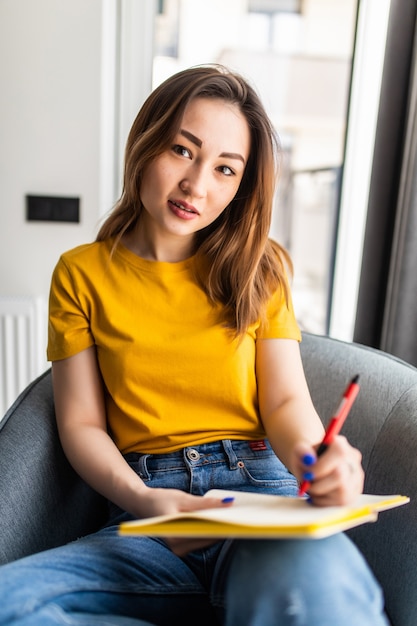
x: 383, y: 425
x: 43, y: 503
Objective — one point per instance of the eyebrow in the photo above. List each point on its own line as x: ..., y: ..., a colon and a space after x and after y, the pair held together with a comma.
x: 197, y: 142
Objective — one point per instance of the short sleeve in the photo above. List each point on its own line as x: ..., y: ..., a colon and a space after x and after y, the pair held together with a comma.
x: 280, y: 320
x: 68, y: 325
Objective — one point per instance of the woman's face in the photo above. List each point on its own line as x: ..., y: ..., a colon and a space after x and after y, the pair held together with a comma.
x: 189, y: 185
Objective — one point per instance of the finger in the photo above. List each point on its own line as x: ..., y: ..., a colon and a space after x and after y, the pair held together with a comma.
x: 346, y: 473
x: 305, y: 459
x: 340, y: 487
x: 317, y: 468
x: 336, y: 456
x: 199, y: 503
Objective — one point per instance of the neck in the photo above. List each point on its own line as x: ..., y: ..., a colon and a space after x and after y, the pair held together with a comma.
x: 158, y: 248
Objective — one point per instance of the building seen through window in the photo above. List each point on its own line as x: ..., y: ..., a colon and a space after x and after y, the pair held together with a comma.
x: 298, y: 55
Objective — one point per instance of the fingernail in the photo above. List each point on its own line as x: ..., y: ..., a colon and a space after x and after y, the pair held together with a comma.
x: 308, y: 476
x: 309, y: 459
x: 228, y: 500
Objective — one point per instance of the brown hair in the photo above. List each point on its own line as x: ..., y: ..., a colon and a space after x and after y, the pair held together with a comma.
x: 238, y: 266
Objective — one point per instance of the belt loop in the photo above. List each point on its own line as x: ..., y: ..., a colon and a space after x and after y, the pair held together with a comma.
x: 230, y: 453
x: 143, y: 467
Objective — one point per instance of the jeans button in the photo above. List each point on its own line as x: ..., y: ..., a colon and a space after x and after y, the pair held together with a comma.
x: 193, y: 455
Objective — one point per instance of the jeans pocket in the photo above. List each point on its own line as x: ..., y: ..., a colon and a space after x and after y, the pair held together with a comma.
x: 267, y: 474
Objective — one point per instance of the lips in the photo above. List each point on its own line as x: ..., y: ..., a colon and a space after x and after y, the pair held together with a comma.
x: 183, y: 206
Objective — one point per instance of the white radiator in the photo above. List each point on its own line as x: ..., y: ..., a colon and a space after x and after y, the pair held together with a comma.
x: 23, y: 329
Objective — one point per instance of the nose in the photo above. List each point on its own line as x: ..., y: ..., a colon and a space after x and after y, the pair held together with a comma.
x: 195, y: 183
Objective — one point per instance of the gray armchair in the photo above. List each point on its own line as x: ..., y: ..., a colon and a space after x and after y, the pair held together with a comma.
x: 43, y: 503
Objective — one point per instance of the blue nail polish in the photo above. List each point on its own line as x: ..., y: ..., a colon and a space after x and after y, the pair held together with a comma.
x: 308, y: 476
x: 228, y: 500
x: 309, y: 459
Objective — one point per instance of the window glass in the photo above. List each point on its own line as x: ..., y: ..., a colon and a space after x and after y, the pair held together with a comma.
x: 298, y: 54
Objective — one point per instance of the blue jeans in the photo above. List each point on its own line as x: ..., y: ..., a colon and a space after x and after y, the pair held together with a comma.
x: 107, y: 579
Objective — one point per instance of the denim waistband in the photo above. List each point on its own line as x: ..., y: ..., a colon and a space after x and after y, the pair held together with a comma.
x: 230, y: 450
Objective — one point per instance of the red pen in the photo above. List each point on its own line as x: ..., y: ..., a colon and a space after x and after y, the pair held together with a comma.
x: 336, y: 423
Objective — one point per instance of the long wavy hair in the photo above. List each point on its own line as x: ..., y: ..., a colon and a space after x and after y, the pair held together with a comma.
x: 237, y: 265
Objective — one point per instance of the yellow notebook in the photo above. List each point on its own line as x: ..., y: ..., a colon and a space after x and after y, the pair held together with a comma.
x: 254, y: 515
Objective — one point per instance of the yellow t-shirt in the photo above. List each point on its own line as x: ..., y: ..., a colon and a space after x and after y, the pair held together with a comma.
x: 173, y: 375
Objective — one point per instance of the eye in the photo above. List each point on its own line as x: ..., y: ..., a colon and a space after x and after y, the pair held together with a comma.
x: 226, y: 170
x: 181, y: 151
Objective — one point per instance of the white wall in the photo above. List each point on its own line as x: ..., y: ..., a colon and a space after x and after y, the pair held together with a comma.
x: 50, y: 77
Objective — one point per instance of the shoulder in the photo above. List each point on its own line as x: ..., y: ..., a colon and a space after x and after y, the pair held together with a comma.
x: 87, y: 252
x: 86, y: 258
x: 82, y: 263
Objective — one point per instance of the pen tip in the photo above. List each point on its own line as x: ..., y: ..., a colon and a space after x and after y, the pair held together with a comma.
x: 355, y: 379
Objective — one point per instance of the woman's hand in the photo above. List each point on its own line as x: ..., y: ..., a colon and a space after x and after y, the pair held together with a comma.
x: 156, y: 501
x: 159, y: 501
x: 336, y: 476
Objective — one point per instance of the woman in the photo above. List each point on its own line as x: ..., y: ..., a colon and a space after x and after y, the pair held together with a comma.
x: 176, y: 369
